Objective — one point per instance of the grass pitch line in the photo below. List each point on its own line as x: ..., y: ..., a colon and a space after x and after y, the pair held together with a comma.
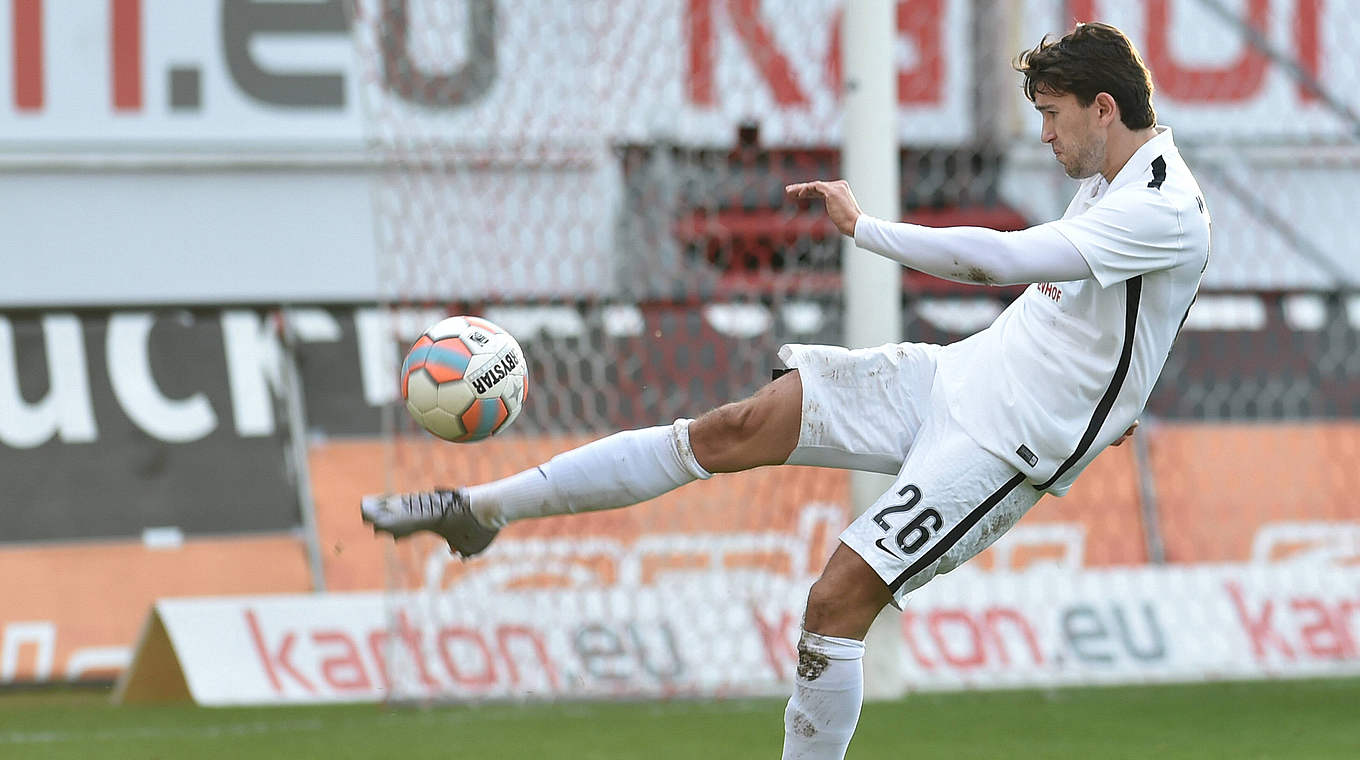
x: 443, y: 715
x: 230, y: 730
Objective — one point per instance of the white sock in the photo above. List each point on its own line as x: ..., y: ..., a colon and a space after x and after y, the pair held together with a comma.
x: 827, y: 694
x: 622, y: 469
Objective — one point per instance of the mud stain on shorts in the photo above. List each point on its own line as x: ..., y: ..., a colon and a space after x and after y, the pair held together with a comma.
x: 803, y: 727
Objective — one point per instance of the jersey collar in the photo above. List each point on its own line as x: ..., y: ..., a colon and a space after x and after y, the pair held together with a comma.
x: 1142, y: 158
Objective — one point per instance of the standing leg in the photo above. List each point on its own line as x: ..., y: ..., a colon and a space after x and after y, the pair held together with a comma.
x: 829, y: 687
x: 951, y: 499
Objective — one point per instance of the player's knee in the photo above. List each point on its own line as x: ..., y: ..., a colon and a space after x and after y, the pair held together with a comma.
x: 823, y: 604
x: 836, y: 607
x: 845, y: 599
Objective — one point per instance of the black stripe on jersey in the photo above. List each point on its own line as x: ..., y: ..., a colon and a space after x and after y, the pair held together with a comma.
x: 956, y: 533
x: 1158, y: 173
x: 1133, y: 291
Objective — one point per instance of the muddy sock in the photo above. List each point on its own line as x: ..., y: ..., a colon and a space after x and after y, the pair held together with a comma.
x: 827, y: 693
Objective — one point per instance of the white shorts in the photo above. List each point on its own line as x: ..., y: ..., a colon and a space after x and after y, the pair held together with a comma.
x: 878, y: 409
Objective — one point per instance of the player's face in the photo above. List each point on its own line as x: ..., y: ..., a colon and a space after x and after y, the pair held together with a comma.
x: 1070, y: 129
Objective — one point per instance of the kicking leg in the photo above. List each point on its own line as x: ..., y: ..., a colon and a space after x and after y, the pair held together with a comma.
x: 622, y: 469
x: 829, y: 688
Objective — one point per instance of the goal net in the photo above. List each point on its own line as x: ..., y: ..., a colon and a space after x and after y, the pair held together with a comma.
x: 604, y: 179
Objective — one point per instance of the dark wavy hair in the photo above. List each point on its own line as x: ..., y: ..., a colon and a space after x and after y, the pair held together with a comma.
x: 1091, y: 59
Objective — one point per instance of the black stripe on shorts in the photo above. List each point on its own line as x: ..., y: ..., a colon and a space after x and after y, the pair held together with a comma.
x: 957, y: 532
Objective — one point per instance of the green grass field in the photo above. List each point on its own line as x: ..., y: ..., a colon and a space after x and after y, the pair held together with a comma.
x: 1287, y: 719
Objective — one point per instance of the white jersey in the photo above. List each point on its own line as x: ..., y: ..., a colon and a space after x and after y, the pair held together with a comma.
x: 1069, y: 366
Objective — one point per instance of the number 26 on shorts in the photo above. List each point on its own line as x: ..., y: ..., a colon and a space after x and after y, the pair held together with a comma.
x: 918, y: 530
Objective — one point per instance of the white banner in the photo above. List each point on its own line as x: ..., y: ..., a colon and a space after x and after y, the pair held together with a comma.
x: 164, y: 74
x: 276, y: 75
x: 368, y: 646
x: 1297, y: 78
x: 733, y: 635
x: 133, y: 74
x: 1135, y: 625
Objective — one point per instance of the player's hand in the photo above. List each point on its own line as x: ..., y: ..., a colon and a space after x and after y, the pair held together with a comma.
x: 840, y: 202
x: 1127, y: 434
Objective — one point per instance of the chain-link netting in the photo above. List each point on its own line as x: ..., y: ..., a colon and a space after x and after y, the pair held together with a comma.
x: 604, y: 178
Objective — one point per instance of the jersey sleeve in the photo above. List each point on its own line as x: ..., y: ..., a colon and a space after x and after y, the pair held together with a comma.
x: 975, y: 254
x: 1128, y: 233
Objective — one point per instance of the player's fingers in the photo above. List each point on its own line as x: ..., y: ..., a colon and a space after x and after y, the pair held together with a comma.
x: 816, y: 188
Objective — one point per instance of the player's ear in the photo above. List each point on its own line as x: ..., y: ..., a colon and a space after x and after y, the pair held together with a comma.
x: 1107, y: 111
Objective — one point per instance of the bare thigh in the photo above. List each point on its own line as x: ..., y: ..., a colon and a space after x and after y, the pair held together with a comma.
x: 761, y: 430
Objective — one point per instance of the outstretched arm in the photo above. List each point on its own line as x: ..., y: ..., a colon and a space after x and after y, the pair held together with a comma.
x: 963, y: 254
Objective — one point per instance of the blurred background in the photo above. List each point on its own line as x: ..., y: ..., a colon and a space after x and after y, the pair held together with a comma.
x: 223, y: 222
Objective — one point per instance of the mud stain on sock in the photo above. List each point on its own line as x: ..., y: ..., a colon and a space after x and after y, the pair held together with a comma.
x: 811, y: 665
x: 803, y: 727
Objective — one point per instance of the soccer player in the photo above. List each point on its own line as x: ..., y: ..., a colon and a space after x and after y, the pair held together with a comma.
x: 975, y: 431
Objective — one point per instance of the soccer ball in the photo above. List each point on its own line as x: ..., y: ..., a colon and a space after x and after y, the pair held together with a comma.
x: 464, y: 379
